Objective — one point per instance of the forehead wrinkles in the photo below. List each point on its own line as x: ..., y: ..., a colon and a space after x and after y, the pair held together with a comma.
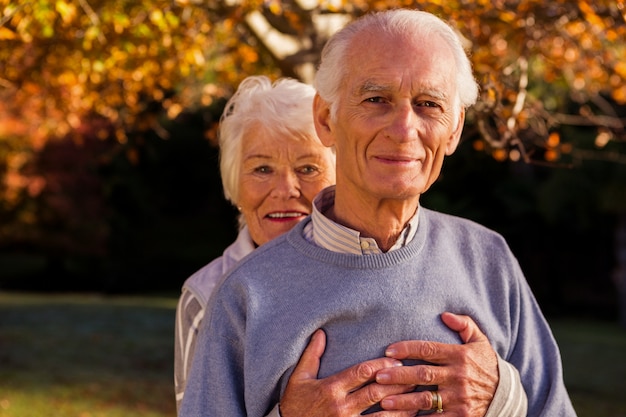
x: 423, y: 72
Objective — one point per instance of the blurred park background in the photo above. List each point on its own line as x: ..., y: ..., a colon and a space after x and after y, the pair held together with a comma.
x: 109, y: 182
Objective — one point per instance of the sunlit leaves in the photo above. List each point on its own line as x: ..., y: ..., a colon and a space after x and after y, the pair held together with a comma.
x: 574, y: 52
x: 66, y: 10
x: 63, y: 59
x: 115, y: 51
x: 541, y: 65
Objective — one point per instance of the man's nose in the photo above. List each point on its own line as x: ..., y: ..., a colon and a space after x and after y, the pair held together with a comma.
x: 286, y: 185
x: 403, y: 124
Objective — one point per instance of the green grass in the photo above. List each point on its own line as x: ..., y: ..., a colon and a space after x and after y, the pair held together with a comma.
x: 594, y: 363
x: 93, y: 356
x: 86, y: 356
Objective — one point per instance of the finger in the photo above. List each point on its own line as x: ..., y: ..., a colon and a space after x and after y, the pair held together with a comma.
x: 373, y: 393
x: 421, y: 349
x: 309, y: 364
x: 464, y: 326
x: 359, y: 375
x: 413, y: 375
x: 468, y: 330
x: 413, y: 401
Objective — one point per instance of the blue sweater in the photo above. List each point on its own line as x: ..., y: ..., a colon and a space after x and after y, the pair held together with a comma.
x: 268, y: 306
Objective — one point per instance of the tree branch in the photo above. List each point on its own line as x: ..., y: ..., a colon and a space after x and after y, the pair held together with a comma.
x: 95, y: 20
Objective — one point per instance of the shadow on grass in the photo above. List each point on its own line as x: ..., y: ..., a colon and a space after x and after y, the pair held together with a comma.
x: 88, y: 355
x: 95, y: 356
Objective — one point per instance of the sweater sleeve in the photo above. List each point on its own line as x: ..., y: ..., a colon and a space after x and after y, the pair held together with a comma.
x: 509, y: 399
x: 189, y: 314
x: 535, y: 354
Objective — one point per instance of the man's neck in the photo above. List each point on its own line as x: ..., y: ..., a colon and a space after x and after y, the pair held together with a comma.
x: 382, y: 220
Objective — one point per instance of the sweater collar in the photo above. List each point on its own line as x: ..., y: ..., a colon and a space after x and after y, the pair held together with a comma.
x: 335, y: 237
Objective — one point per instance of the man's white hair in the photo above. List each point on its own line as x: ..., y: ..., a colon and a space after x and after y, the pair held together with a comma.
x: 332, y: 71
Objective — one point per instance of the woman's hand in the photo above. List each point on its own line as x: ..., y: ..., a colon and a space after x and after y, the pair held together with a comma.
x: 347, y: 393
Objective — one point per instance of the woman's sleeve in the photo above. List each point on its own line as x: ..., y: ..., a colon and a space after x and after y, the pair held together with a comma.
x: 189, y: 315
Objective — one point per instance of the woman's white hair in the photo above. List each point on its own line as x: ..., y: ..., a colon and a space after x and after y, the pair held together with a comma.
x: 332, y: 70
x: 284, y: 107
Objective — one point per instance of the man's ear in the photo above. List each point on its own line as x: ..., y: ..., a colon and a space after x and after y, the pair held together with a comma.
x: 321, y: 118
x: 453, y: 142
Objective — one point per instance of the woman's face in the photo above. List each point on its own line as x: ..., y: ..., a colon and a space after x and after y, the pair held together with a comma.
x: 279, y: 178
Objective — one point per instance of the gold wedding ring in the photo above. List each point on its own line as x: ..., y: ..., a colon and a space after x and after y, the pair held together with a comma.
x: 437, y: 404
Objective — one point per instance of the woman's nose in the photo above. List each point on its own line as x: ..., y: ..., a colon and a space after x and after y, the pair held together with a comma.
x: 286, y: 185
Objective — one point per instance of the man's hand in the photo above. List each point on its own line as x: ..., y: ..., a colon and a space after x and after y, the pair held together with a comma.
x: 466, y: 375
x: 347, y: 393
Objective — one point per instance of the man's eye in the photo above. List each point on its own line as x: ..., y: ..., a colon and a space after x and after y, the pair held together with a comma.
x: 427, y: 104
x: 374, y: 99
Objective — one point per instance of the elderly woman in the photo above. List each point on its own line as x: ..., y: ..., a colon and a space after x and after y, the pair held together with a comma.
x: 272, y: 165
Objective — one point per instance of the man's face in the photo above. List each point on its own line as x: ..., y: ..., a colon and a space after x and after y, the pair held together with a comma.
x: 395, y: 119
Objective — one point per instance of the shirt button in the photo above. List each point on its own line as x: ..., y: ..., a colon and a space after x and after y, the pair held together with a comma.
x: 365, y: 245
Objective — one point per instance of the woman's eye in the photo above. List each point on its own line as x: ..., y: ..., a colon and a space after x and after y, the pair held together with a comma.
x: 263, y: 170
x: 307, y: 170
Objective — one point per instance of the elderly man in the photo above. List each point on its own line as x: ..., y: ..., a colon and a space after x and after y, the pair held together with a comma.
x: 374, y: 270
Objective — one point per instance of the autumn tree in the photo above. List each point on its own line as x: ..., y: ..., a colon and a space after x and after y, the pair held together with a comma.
x: 547, y: 70
x: 89, y: 71
x: 65, y: 59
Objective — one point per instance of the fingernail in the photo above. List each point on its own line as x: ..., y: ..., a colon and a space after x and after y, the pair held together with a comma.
x: 390, y: 352
x: 382, y: 377
x: 387, y: 403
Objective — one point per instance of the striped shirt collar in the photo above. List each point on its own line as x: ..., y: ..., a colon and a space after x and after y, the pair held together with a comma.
x: 335, y: 237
